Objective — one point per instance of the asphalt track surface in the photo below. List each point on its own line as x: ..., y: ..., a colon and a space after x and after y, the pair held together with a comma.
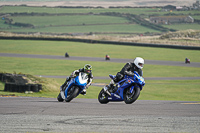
x: 29, y: 114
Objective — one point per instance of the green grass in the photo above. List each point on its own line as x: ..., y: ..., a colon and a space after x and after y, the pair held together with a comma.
x: 196, y: 17
x: 137, y: 11
x: 176, y: 90
x: 96, y: 50
x: 68, y: 20
x: 183, y: 26
x: 65, y: 67
x: 21, y: 9
x: 57, y: 24
x: 124, y: 28
x: 182, y: 90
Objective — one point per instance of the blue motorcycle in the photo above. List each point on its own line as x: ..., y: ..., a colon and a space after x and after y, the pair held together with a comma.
x: 127, y: 90
x: 73, y: 88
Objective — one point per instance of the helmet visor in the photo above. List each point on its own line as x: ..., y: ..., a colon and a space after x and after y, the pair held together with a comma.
x: 141, y: 64
x: 88, y: 71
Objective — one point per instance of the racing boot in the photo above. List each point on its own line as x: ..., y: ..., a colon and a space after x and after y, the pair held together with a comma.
x: 83, y: 92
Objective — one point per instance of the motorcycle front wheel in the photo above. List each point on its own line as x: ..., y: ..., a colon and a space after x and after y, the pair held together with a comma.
x: 129, y: 98
x: 103, y: 97
x: 59, y: 98
x: 72, y: 93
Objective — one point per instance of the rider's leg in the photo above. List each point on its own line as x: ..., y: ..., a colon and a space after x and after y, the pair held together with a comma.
x: 117, y: 78
x: 112, y: 82
x: 83, y: 92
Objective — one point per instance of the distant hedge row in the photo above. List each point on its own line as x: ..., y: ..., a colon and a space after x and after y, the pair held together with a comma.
x: 92, y: 6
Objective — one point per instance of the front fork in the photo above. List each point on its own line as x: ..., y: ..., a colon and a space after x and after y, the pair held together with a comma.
x: 105, y: 88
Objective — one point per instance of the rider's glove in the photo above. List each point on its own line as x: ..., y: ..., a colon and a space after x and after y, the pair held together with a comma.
x: 72, y: 75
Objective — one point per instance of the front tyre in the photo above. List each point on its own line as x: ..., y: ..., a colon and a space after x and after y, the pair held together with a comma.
x: 59, y: 98
x: 103, y: 97
x: 72, y: 93
x: 129, y: 98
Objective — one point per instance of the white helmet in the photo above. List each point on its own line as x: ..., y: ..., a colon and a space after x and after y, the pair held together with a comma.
x: 139, y: 62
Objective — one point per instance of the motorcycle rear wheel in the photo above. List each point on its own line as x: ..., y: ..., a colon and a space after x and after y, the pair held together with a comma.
x: 72, y: 93
x: 103, y: 97
x: 129, y: 98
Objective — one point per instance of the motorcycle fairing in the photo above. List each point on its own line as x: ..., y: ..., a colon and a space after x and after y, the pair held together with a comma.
x: 80, y: 81
x: 71, y: 82
x: 119, y: 94
x: 126, y: 83
x: 112, y: 76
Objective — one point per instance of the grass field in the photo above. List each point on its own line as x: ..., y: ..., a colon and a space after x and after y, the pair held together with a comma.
x: 118, y: 28
x: 184, y: 90
x: 178, y: 90
x: 183, y: 26
x: 96, y: 50
x: 21, y: 9
x: 136, y: 11
x: 65, y: 67
x: 60, y: 23
x: 68, y: 20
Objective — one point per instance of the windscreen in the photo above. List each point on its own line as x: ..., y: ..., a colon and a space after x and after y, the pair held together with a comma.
x: 84, y: 76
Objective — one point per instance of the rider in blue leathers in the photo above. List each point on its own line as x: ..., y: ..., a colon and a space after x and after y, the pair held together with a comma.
x: 128, y: 69
x: 88, y: 70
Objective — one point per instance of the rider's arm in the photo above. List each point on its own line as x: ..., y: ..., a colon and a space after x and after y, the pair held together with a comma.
x: 140, y: 72
x: 74, y: 72
x: 126, y: 69
x: 89, y: 83
x: 89, y: 80
x: 129, y: 73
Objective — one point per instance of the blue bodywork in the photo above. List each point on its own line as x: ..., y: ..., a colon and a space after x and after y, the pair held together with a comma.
x: 79, y: 81
x: 128, y: 81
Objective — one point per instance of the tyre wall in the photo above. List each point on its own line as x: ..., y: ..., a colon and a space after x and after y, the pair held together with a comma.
x: 12, y: 87
x: 16, y: 83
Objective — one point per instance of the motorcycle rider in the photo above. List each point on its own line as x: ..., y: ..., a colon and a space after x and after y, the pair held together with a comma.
x: 86, y: 69
x: 128, y: 69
